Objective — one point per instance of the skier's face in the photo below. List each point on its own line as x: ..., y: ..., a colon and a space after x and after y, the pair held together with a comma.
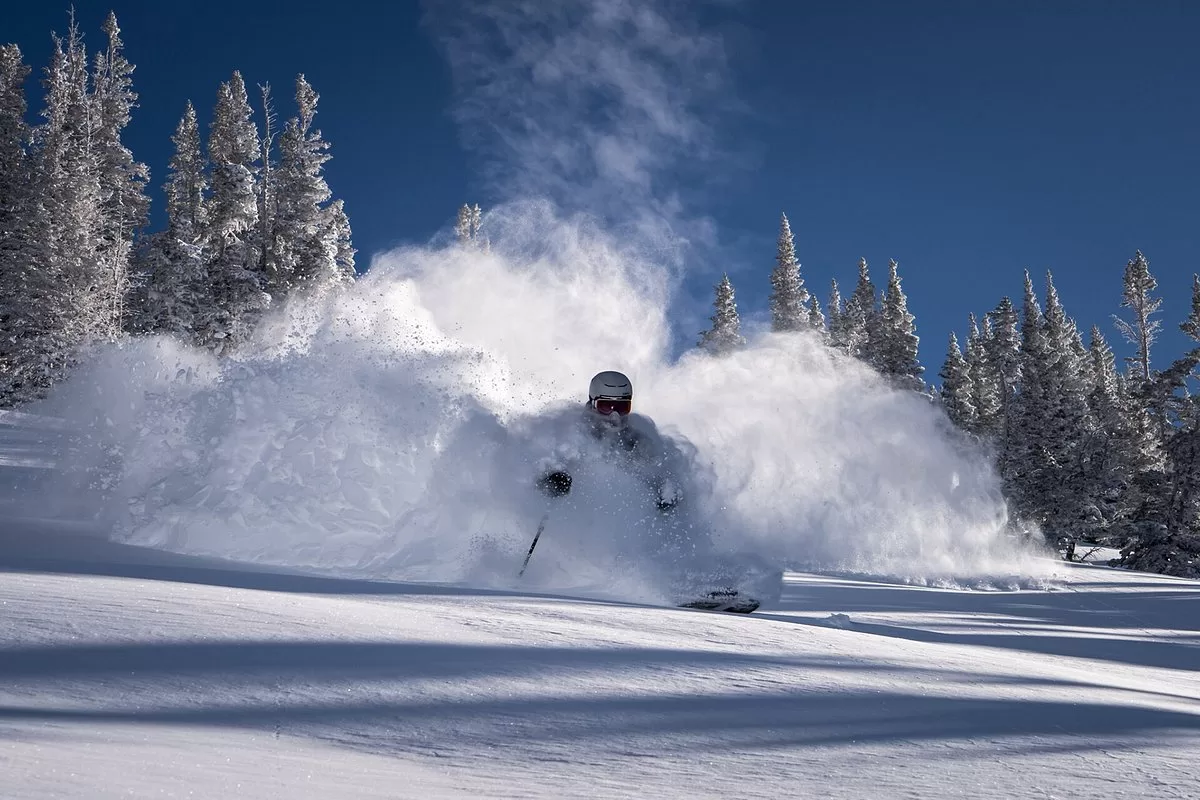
x: 605, y: 406
x: 606, y: 419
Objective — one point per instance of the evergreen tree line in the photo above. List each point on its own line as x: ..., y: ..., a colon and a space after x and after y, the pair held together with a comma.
x: 871, y: 325
x: 250, y: 218
x: 1085, y: 450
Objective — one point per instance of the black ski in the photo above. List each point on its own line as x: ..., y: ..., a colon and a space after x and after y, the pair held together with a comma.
x: 724, y: 600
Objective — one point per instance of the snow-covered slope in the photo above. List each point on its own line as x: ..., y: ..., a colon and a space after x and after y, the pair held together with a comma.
x: 133, y: 672
x: 388, y: 439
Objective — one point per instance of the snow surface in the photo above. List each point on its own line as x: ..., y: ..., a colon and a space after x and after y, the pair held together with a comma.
x: 127, y: 671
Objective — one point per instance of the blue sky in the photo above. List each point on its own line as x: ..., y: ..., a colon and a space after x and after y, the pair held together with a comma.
x: 966, y: 140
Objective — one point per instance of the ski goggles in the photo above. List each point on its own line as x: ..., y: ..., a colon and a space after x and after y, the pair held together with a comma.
x: 609, y: 405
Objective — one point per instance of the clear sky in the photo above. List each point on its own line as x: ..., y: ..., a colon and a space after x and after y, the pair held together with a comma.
x: 966, y: 140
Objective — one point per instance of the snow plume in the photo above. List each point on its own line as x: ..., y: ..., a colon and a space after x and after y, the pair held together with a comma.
x: 820, y: 464
x: 397, y: 429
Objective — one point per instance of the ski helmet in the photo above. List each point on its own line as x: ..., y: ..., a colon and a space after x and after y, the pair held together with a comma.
x: 611, y: 391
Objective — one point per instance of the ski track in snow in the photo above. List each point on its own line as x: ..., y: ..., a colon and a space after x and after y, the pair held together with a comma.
x: 132, y: 672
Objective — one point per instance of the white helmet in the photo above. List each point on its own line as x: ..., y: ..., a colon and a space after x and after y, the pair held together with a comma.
x: 611, y: 392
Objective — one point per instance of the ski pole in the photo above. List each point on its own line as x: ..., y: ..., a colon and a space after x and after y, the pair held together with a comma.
x: 536, y: 536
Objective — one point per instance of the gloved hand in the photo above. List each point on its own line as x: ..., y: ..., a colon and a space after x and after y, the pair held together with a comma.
x: 555, y: 484
x: 668, y: 495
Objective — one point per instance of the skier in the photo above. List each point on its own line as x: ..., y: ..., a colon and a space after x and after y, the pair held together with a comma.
x: 609, y: 418
x: 634, y: 444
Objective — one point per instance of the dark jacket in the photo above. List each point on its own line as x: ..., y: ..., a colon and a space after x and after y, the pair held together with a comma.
x: 633, y: 439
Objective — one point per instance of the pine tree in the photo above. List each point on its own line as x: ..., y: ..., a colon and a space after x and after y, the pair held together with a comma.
x: 1164, y: 500
x: 14, y: 141
x: 1170, y: 542
x: 725, y: 335
x: 816, y: 319
x: 68, y: 305
x: 789, y: 298
x: 462, y: 227
x: 16, y: 247
x: 956, y: 388
x: 1068, y: 498
x: 338, y: 229
x: 985, y: 390
x: 1142, y: 331
x: 1002, y: 355
x: 1027, y: 462
x: 469, y: 225
x: 311, y: 238
x: 1109, y: 450
x: 477, y: 227
x: 860, y: 322
x: 174, y: 260
x: 837, y: 319
x: 236, y: 284
x: 122, y: 180
x: 267, y: 211
x: 187, y: 185
x: 896, y: 354
x: 1191, y: 326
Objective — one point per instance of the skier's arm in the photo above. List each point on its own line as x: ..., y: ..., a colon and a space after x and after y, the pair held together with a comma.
x: 656, y: 453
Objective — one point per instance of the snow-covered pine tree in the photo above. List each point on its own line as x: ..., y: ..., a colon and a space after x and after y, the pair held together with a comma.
x: 1173, y: 545
x: 789, y: 298
x: 1191, y: 326
x: 469, y: 225
x: 1027, y: 461
x: 725, y: 334
x: 122, y: 180
x: 68, y: 308
x: 311, y: 238
x: 338, y: 229
x: 860, y: 320
x: 983, y: 385
x: 462, y: 226
x: 14, y: 137
x: 173, y: 262
x: 1002, y: 355
x: 1166, y: 502
x: 187, y: 184
x: 816, y: 319
x: 1109, y: 449
x: 236, y: 285
x: 275, y: 284
x: 956, y: 388
x: 837, y: 319
x: 477, y: 227
x: 1068, y: 500
x: 1141, y: 331
x: 16, y: 248
x: 1178, y: 552
x: 896, y: 355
